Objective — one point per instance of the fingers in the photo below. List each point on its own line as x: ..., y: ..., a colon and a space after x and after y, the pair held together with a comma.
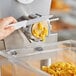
x: 8, y: 27
x: 6, y: 32
x: 9, y: 20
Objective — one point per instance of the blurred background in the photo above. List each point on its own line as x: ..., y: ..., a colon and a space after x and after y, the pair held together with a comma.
x: 66, y: 11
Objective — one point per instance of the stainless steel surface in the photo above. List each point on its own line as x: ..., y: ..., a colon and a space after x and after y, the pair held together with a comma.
x: 16, y: 40
x: 45, y: 62
x: 16, y: 9
x: 25, y: 1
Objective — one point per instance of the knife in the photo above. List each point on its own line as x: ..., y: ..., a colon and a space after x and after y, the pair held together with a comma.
x: 30, y: 22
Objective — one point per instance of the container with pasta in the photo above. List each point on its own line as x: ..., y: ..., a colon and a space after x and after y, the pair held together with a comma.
x: 56, y: 59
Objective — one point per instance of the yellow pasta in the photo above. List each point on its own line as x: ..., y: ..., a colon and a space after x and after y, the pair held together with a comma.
x: 40, y: 26
x: 61, y: 69
x: 45, y: 31
x: 42, y: 37
x: 45, y: 68
x: 40, y: 31
x: 35, y: 33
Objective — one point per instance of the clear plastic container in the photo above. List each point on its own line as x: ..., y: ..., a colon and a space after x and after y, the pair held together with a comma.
x: 30, y: 60
x: 6, y: 66
x: 38, y: 47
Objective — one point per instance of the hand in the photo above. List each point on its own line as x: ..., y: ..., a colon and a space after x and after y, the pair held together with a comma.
x: 4, y: 30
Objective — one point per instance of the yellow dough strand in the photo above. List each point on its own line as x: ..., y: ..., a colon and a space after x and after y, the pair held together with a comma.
x: 40, y: 26
x: 40, y: 30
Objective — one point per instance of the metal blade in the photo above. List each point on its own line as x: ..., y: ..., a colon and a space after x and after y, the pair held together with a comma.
x: 38, y: 19
x: 30, y: 22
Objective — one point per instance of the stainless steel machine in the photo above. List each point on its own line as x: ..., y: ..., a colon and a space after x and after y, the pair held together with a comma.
x: 26, y: 8
x: 27, y: 11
